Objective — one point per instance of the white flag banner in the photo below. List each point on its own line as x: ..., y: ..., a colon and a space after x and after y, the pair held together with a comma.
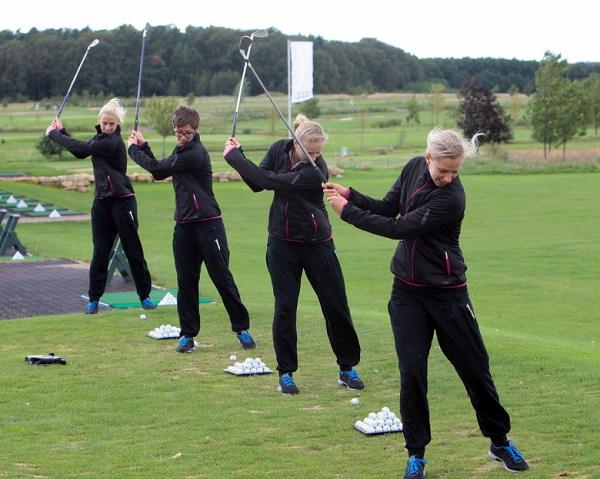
x: 301, y: 54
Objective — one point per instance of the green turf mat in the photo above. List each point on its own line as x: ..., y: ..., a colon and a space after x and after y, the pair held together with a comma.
x: 130, y: 299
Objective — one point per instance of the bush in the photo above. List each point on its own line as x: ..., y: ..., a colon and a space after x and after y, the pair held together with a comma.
x: 311, y: 108
x: 49, y: 148
x: 387, y: 123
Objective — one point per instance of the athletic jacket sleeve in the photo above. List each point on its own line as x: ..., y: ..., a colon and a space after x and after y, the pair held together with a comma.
x: 389, y: 206
x: 269, y: 180
x: 441, y: 209
x: 175, y: 163
x: 105, y: 145
x: 254, y: 187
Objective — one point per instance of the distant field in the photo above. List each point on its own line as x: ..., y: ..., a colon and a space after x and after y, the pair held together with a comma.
x: 352, y: 122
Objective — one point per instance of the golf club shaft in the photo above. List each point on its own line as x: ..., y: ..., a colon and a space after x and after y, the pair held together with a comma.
x: 237, y: 105
x: 62, y: 105
x: 239, y: 98
x: 298, y: 141
x: 139, y: 85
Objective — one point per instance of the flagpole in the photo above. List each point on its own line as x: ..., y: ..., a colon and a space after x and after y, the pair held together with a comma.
x: 289, y: 65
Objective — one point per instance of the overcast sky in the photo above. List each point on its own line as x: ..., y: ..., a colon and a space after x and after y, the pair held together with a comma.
x: 461, y: 28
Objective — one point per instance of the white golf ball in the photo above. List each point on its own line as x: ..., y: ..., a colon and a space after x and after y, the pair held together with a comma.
x: 232, y: 357
x: 354, y: 401
x: 142, y: 316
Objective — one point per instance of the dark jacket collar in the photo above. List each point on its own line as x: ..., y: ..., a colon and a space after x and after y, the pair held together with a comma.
x: 194, y: 141
x: 117, y: 131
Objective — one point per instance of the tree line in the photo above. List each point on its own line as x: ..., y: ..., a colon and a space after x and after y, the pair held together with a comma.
x: 206, y: 61
x: 560, y: 109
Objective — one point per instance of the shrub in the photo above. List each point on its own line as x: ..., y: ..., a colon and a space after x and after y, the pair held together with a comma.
x: 387, y: 123
x: 49, y: 148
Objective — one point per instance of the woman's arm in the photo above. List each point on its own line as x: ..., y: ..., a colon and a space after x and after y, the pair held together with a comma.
x: 140, y: 152
x: 267, y: 179
x: 440, y: 210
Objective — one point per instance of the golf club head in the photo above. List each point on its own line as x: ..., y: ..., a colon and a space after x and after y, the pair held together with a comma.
x: 259, y: 34
x: 95, y: 42
x: 245, y: 44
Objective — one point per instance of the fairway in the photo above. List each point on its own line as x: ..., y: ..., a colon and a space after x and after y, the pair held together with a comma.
x: 126, y: 406
x: 371, y: 128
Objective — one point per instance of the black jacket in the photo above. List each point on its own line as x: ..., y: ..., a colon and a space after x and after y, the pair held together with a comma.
x: 426, y: 219
x: 109, y: 160
x: 297, y: 212
x: 189, y: 165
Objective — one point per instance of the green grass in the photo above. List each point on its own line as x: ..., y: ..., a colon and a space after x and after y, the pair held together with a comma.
x: 127, y: 406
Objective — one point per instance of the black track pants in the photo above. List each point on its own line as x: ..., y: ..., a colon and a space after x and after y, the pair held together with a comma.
x: 286, y: 261
x: 112, y: 216
x: 415, y: 316
x: 204, y: 242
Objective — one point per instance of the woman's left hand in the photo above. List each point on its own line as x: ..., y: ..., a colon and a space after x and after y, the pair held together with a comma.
x: 230, y: 144
x: 336, y: 200
x: 55, y: 125
x: 135, y: 138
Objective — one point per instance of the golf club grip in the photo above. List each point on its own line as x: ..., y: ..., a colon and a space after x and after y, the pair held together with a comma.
x: 233, y: 128
x: 306, y: 153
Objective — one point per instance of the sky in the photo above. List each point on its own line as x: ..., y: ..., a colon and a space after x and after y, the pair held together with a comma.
x: 522, y: 29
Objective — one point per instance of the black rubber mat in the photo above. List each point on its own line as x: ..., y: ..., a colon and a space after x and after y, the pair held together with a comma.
x: 41, y: 288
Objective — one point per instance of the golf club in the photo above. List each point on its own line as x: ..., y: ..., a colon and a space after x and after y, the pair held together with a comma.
x: 245, y: 47
x: 62, y: 105
x: 139, y: 85
x: 293, y: 133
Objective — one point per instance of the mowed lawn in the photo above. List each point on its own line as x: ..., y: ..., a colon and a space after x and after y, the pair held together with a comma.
x: 127, y: 406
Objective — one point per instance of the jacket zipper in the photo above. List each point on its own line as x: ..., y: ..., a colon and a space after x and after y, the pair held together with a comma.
x: 110, y: 185
x: 414, y: 193
x: 314, y: 222
x: 195, y: 201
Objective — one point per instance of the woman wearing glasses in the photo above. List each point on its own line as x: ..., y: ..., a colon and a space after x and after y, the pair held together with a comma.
x: 114, y: 210
x: 199, y: 234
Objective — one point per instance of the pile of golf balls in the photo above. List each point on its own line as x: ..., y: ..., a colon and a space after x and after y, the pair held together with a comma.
x: 379, y: 422
x: 249, y: 366
x: 165, y: 331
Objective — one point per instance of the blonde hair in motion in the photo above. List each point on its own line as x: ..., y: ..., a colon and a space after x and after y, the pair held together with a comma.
x: 114, y: 108
x: 450, y: 144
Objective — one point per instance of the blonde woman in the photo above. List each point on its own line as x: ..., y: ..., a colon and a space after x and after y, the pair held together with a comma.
x: 114, y: 211
x: 424, y: 209
x: 300, y: 240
